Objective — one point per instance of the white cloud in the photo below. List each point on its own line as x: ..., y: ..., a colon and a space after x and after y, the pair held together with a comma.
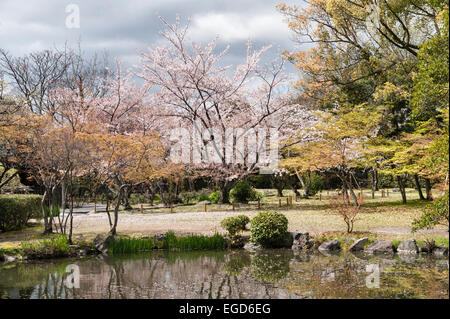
x: 233, y: 27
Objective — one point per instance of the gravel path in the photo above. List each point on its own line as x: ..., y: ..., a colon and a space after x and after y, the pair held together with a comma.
x: 195, y: 223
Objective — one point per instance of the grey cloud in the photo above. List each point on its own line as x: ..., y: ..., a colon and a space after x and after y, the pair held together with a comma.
x: 123, y: 27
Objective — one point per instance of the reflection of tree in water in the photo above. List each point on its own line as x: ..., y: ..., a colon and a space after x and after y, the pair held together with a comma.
x: 270, y: 267
x: 345, y: 277
x: 36, y: 280
x: 235, y: 274
x: 236, y: 262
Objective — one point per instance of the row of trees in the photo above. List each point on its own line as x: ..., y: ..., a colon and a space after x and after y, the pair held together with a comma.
x: 377, y: 76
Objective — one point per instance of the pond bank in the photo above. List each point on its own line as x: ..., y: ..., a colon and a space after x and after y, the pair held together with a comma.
x: 57, y: 246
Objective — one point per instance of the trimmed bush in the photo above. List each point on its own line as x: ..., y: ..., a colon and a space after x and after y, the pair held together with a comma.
x: 243, y: 192
x: 268, y: 229
x: 16, y: 210
x: 235, y: 224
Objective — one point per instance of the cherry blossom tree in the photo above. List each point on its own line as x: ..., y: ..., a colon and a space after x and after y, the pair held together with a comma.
x: 218, y: 105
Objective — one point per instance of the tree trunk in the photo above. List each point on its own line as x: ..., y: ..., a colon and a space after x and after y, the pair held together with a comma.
x: 308, y: 184
x: 294, y: 189
x: 224, y: 190
x: 350, y: 188
x: 150, y: 194
x: 126, y: 197
x: 374, y: 180
x: 419, y: 189
x: 113, y: 230
x: 47, y: 227
x: 71, y: 221
x: 428, y: 189
x: 279, y: 191
x: 401, y: 187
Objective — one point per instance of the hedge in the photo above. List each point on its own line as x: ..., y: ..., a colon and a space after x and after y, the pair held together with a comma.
x: 16, y: 210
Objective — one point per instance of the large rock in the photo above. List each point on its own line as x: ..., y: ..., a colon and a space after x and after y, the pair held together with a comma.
x: 237, y: 242
x: 380, y: 247
x: 252, y: 247
x: 440, y: 251
x: 302, y: 241
x: 288, y: 240
x: 408, y: 247
x: 330, y: 246
x: 8, y: 259
x: 102, y: 243
x: 358, y: 244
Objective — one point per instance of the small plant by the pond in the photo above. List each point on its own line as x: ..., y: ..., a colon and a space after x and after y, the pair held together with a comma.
x: 192, y: 242
x: 57, y: 246
x: 346, y: 210
x: 395, y: 243
x: 130, y: 245
x: 268, y: 229
x: 233, y: 225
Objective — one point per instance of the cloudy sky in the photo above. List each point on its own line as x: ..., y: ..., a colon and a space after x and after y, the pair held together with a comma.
x: 124, y: 27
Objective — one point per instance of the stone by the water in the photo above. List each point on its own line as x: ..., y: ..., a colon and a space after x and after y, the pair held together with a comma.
x: 359, y: 244
x: 408, y: 247
x: 380, y: 247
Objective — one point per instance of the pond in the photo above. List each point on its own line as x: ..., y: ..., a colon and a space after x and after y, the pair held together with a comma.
x: 229, y: 274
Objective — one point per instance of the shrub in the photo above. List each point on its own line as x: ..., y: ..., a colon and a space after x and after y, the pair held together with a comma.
x: 57, y: 246
x: 188, y: 197
x: 316, y: 184
x: 346, y: 210
x: 202, y: 196
x: 16, y: 210
x: 243, y: 192
x: 235, y: 224
x: 268, y: 229
x: 137, y: 199
x: 214, y: 197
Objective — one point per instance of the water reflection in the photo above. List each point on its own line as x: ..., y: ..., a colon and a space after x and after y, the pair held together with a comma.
x: 235, y: 274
